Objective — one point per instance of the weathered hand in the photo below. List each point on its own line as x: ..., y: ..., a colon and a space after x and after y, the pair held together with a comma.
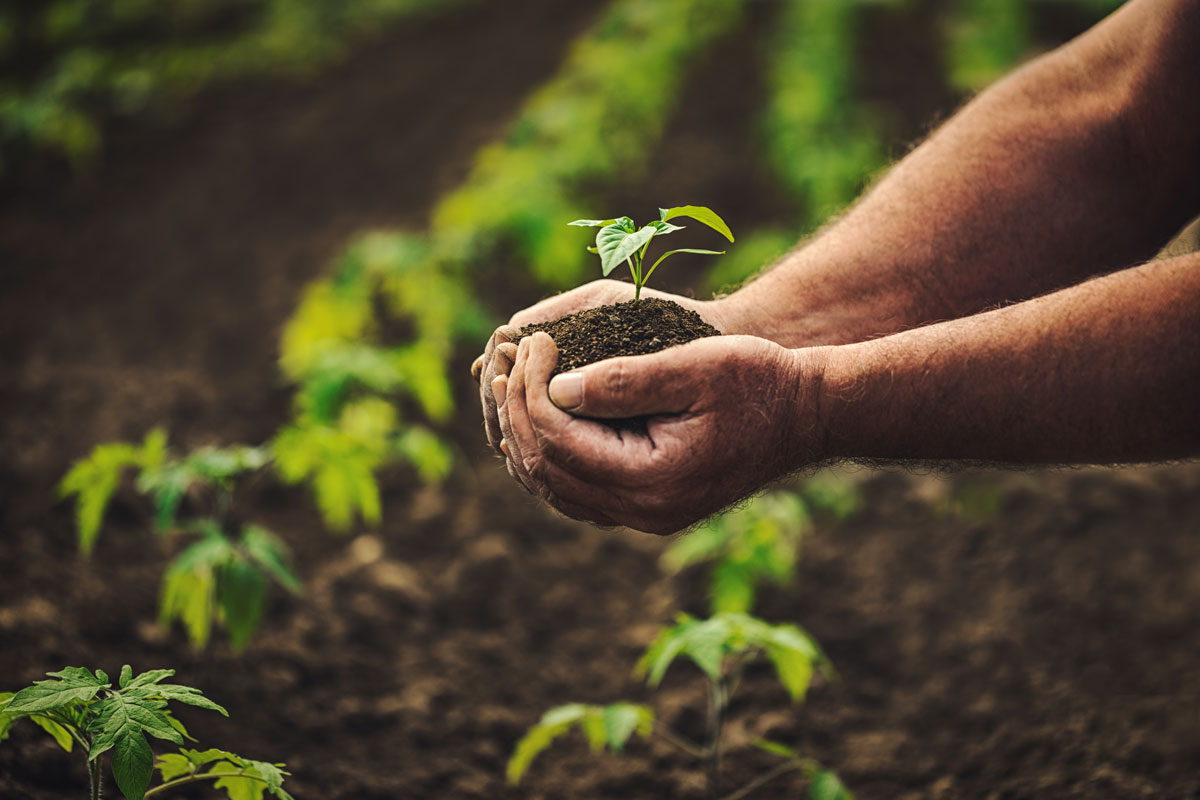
x: 501, y: 350
x: 723, y: 416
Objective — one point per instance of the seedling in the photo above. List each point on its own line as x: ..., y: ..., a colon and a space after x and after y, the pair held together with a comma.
x: 721, y: 646
x: 225, y: 573
x: 83, y: 708
x: 621, y: 240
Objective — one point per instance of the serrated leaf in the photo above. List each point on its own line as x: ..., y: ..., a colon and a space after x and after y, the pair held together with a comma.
x: 6, y: 719
x: 249, y: 787
x: 72, y: 683
x: 658, y: 657
x: 118, y: 715
x: 700, y: 214
x: 179, y: 726
x: 241, y: 595
x: 126, y: 675
x: 188, y: 696
x: 777, y: 748
x: 827, y: 786
x: 617, y: 244
x: 132, y: 764
x: 150, y: 676
x: 93, y: 480
x: 60, y: 734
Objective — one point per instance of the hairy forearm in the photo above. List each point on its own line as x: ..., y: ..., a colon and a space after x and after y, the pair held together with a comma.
x: 1105, y: 371
x: 1082, y: 162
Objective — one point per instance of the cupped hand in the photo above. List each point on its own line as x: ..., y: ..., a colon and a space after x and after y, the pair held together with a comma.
x: 722, y: 417
x: 501, y: 349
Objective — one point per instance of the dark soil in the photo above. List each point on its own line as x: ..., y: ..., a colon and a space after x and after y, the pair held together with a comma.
x: 1045, y: 649
x: 633, y: 328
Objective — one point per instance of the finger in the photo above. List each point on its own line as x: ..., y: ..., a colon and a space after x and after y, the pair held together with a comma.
x: 512, y: 386
x: 504, y: 357
x: 477, y: 367
x: 668, y: 382
x: 591, y: 450
x: 498, y: 360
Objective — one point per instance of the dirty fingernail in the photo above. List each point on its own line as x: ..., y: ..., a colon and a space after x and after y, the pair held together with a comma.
x: 499, y: 389
x: 566, y: 390
x: 504, y: 448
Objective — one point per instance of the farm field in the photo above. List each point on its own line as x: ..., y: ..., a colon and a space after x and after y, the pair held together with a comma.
x: 996, y: 634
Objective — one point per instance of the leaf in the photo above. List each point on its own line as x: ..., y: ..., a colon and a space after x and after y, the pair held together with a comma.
x: 6, y: 719
x: 658, y: 657
x: 593, y: 724
x: 238, y: 788
x: 270, y: 553
x: 621, y: 720
x: 664, y: 256
x: 132, y: 764
x: 553, y: 724
x: 60, y: 734
x: 189, y: 586
x: 666, y: 227
x: 173, y: 765
x: 73, y: 683
x: 616, y: 245
x: 150, y: 676
x: 777, y: 748
x: 592, y: 223
x: 93, y: 480
x: 126, y: 675
x: 731, y: 587
x: 134, y: 711
x: 827, y: 786
x: 188, y: 696
x: 427, y: 452
x: 241, y: 595
x: 794, y: 669
x: 700, y: 214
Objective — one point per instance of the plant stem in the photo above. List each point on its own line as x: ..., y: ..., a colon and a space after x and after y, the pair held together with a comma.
x: 680, y: 742
x: 204, y: 777
x: 94, y: 775
x: 718, y: 701
x: 807, y: 765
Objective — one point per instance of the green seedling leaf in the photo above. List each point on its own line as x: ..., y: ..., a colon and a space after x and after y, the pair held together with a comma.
x: 616, y: 244
x: 700, y: 214
x: 827, y: 786
x: 794, y: 668
x: 173, y: 765
x: 126, y: 676
x: 6, y: 719
x: 776, y: 748
x: 553, y: 724
x: 132, y: 764
x: 269, y: 553
x: 241, y: 595
x: 621, y: 720
x: 60, y: 734
x: 592, y: 223
x: 121, y: 715
x: 72, y: 683
x: 665, y: 255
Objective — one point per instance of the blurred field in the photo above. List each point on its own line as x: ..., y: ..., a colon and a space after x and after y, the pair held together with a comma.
x: 997, y: 635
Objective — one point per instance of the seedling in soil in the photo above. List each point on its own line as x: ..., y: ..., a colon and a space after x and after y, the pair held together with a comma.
x: 722, y: 647
x: 621, y: 240
x: 226, y: 572
x: 83, y: 708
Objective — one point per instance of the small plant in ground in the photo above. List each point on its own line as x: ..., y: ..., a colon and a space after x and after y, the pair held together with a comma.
x: 722, y: 647
x: 621, y: 240
x: 761, y: 542
x: 225, y: 573
x: 83, y: 708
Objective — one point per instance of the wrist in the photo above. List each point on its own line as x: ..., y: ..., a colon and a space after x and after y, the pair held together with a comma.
x: 806, y: 433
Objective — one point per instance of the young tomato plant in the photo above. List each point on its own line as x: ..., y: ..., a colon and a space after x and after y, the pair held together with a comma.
x: 721, y: 646
x: 225, y: 573
x: 83, y: 708
x: 761, y: 542
x: 621, y: 240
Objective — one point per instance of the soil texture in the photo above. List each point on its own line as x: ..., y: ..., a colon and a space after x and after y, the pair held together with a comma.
x: 633, y: 328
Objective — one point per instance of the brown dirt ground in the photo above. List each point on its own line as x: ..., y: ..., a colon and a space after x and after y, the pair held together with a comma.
x: 1047, y: 649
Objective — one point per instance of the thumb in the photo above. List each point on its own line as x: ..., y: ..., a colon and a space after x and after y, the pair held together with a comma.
x: 629, y: 386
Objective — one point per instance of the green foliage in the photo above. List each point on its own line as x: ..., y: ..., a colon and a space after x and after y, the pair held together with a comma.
x: 604, y: 726
x: 219, y: 577
x: 94, y: 479
x: 759, y: 542
x: 985, y: 39
x: 825, y: 785
x: 597, y: 119
x: 79, y: 706
x: 714, y: 643
x: 621, y: 240
x: 820, y: 141
x: 84, y: 59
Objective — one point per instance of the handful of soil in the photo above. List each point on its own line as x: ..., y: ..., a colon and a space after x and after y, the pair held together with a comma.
x: 633, y: 328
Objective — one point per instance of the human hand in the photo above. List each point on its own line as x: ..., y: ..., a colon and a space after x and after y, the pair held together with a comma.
x: 723, y: 416
x: 501, y: 349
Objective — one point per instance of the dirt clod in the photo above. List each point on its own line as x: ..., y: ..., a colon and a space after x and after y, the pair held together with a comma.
x: 633, y: 328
